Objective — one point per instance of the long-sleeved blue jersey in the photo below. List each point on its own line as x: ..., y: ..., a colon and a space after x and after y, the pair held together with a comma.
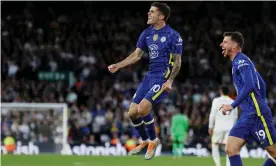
x: 250, y: 87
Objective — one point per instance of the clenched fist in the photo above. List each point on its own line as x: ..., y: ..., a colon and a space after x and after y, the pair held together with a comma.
x: 225, y: 108
x: 113, y: 68
x: 167, y: 86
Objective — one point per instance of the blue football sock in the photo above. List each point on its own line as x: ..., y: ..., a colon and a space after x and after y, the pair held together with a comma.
x: 269, y: 162
x: 149, y: 123
x: 140, y: 127
x: 235, y: 160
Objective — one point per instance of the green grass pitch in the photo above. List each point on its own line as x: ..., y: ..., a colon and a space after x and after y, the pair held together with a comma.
x: 58, y: 160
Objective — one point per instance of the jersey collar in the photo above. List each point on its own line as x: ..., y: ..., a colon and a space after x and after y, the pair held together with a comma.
x: 236, y: 57
x: 165, y: 27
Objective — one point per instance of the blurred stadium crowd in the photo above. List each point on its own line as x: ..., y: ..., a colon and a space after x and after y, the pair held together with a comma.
x: 84, y: 38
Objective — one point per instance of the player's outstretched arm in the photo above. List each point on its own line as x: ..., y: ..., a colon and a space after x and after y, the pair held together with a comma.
x: 131, y: 59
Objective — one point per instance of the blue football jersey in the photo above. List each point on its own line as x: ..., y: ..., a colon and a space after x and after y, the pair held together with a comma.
x: 161, y: 45
x: 250, y: 87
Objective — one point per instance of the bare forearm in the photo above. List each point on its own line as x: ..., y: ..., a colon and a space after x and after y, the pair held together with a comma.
x: 131, y: 59
x: 176, y: 67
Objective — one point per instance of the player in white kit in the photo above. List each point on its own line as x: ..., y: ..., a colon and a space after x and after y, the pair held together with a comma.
x: 220, y: 125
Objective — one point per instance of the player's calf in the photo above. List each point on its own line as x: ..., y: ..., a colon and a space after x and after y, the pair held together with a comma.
x: 139, y: 125
x: 215, y: 153
x: 137, y: 121
x: 144, y: 109
x: 232, y: 149
x: 234, y: 145
x: 174, y: 148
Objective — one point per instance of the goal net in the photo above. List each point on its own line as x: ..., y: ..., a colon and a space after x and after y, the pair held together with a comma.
x: 36, y: 127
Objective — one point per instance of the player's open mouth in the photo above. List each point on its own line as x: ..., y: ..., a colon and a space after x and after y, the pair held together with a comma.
x: 223, y: 50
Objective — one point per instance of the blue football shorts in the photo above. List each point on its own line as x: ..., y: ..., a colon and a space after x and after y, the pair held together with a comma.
x: 151, y: 89
x: 255, y: 128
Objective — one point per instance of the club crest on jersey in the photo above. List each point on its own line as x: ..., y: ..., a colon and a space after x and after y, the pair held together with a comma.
x: 155, y: 37
x: 163, y: 39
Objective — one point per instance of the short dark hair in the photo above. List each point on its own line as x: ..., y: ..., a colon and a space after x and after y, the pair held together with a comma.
x: 235, y: 36
x: 224, y: 89
x: 163, y: 8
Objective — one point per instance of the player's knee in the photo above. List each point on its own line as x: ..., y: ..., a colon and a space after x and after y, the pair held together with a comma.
x: 144, y: 107
x: 133, y: 112
x: 133, y: 115
x: 272, y: 150
x: 273, y: 154
x: 231, y: 150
